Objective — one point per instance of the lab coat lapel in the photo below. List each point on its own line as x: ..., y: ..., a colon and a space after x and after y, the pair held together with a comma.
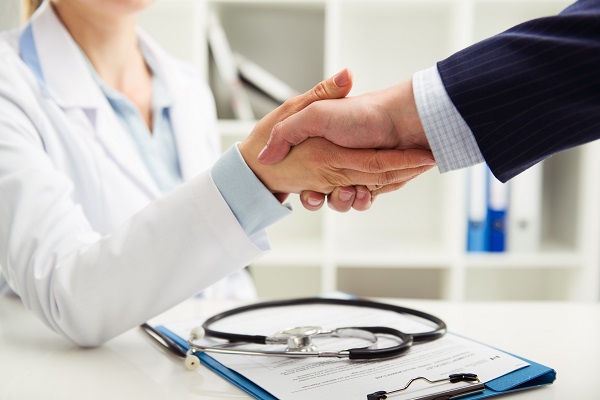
x: 188, y: 123
x: 68, y: 80
x: 192, y: 115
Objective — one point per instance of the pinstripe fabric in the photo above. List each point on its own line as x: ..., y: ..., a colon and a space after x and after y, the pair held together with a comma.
x: 531, y: 91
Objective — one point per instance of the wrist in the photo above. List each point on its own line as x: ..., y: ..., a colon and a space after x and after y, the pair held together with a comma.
x: 249, y: 153
x: 266, y: 174
x: 402, y: 108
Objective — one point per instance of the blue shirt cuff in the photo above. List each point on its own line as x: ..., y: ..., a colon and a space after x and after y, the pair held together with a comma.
x: 252, y: 203
x: 450, y: 138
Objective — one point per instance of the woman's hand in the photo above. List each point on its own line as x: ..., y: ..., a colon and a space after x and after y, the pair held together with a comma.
x: 320, y: 166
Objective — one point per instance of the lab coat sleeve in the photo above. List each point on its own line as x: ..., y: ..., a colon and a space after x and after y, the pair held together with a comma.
x: 257, y: 208
x: 89, y: 287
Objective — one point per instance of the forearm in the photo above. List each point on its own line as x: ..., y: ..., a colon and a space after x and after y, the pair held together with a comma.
x: 531, y: 91
x: 91, y: 287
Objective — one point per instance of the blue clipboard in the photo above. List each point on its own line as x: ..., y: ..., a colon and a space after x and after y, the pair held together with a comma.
x: 533, y: 376
x: 233, y: 377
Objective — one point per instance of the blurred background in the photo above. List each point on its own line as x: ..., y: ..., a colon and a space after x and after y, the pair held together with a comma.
x: 413, y: 243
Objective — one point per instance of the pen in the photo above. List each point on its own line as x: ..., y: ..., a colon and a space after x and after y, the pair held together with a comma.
x: 163, y: 340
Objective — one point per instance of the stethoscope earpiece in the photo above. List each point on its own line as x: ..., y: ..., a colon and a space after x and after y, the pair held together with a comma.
x: 197, y: 333
x: 191, y: 361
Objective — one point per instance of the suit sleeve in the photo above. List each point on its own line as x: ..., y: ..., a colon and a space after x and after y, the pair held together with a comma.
x: 531, y: 91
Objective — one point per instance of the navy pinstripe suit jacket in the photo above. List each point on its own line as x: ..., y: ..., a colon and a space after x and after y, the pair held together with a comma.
x: 531, y: 91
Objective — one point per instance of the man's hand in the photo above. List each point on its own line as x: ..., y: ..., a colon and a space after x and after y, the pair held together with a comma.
x: 386, y: 119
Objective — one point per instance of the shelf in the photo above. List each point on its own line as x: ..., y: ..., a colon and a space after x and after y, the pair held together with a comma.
x: 515, y: 261
x: 284, y: 38
x: 413, y: 259
x: 410, y: 243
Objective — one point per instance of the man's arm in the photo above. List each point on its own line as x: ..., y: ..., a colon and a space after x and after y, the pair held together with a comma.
x: 525, y: 94
x: 531, y: 91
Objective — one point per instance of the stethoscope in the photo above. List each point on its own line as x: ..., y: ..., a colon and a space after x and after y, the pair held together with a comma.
x: 299, y: 340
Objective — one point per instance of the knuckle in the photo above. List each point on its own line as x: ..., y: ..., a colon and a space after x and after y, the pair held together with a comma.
x: 387, y: 178
x: 320, y: 91
x: 292, y: 105
x: 374, y: 164
x: 337, y: 178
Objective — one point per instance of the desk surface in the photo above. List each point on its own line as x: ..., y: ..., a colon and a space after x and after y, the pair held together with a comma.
x: 37, y: 363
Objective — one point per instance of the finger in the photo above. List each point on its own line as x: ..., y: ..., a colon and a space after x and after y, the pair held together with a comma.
x: 388, y: 189
x: 312, y: 201
x: 377, y: 161
x: 334, y: 87
x: 376, y: 181
x: 341, y: 198
x: 362, y: 200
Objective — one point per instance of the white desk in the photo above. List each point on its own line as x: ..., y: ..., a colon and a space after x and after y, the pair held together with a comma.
x: 36, y: 363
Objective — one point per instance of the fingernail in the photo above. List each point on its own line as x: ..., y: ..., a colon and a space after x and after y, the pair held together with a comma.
x: 314, y: 202
x: 263, y: 153
x: 341, y: 79
x: 428, y: 161
x: 346, y: 195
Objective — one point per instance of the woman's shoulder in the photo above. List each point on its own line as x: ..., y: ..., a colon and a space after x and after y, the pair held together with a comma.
x: 13, y: 71
x: 9, y: 44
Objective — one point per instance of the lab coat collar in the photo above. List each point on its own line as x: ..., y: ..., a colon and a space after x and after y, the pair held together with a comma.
x: 66, y: 77
x: 62, y: 65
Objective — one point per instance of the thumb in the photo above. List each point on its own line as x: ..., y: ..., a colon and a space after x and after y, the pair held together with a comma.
x: 279, y: 145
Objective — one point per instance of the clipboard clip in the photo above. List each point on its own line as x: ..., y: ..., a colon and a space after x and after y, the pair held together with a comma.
x: 474, y: 386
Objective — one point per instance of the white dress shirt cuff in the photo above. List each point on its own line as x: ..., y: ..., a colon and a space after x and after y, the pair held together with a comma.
x: 252, y: 203
x: 450, y: 138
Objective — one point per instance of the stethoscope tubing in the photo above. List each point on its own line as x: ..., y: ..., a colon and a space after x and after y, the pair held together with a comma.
x: 405, y: 340
x: 437, y: 333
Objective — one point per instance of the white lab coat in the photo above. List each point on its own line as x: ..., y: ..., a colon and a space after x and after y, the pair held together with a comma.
x: 85, y: 239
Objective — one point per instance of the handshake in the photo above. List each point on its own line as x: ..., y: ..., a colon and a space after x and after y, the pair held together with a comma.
x: 349, y: 150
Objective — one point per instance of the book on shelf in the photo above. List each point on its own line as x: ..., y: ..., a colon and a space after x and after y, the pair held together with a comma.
x: 504, y: 216
x: 477, y: 228
x: 497, y: 210
x: 525, y: 211
x: 263, y: 80
x: 228, y: 69
x: 487, y: 211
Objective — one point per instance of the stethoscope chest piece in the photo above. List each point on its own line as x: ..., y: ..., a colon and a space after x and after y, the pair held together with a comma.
x: 297, y: 339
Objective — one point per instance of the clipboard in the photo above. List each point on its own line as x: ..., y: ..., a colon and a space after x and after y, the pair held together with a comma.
x: 533, y: 376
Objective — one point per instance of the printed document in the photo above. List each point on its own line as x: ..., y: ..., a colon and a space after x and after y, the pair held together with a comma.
x: 328, y: 378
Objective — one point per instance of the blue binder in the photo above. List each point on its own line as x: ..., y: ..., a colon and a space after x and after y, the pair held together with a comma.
x: 477, y: 209
x: 533, y: 376
x: 496, y: 216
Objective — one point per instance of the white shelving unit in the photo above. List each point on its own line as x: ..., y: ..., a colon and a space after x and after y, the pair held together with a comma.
x: 411, y: 243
